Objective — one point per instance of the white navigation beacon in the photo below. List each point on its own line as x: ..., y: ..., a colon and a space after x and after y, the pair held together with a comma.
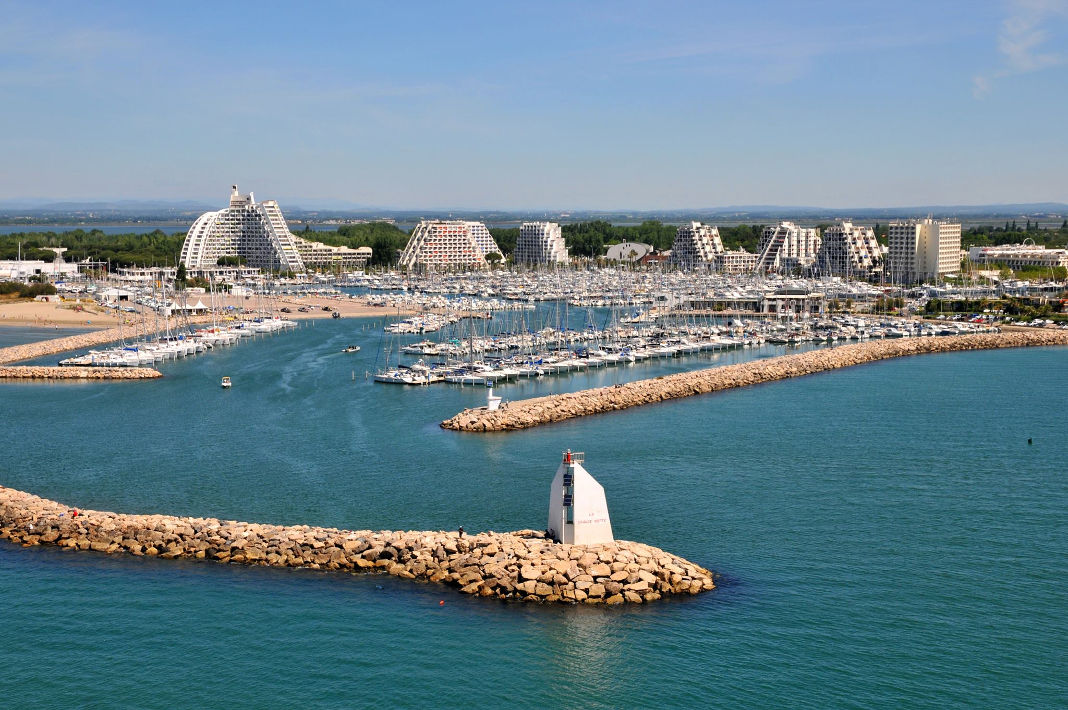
x: 578, y: 511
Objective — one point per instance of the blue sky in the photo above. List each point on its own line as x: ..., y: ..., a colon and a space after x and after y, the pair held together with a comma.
x: 599, y: 105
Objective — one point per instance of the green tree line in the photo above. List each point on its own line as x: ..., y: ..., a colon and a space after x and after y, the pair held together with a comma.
x: 21, y: 290
x: 1012, y: 233
x: 158, y: 248
x: 1028, y: 308
x: 155, y: 248
x: 385, y: 239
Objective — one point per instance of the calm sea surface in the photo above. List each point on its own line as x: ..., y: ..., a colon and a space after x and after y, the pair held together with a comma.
x: 885, y: 534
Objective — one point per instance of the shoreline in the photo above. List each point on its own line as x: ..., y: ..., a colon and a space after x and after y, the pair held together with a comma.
x: 48, y: 314
x: 514, y: 566
x: 527, y: 413
x: 116, y: 332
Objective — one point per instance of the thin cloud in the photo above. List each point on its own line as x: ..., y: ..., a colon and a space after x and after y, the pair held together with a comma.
x: 1023, y: 42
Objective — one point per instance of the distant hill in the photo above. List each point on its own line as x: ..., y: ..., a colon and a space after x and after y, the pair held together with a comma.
x: 38, y: 210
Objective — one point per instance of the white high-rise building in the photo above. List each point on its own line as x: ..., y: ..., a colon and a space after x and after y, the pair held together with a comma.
x: 540, y: 243
x: 787, y: 247
x: 696, y: 245
x: 257, y: 232
x: 253, y: 230
x: 849, y: 250
x: 449, y: 244
x: 922, y: 249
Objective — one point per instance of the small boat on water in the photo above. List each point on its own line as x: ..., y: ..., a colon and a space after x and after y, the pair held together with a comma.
x: 352, y: 349
x: 226, y: 384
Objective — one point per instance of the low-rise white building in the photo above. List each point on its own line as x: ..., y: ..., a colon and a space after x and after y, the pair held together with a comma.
x: 22, y: 269
x: 1017, y: 256
x: 327, y: 256
x: 216, y: 274
x: 735, y: 262
x: 628, y: 251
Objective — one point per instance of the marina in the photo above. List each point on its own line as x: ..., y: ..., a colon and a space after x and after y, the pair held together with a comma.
x: 585, y: 356
x: 802, y: 537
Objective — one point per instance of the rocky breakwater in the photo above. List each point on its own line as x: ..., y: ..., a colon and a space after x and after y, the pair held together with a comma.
x: 42, y: 372
x: 521, y: 565
x: 553, y: 408
x: 52, y: 346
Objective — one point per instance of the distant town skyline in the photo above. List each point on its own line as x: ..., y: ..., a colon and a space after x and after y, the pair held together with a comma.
x: 598, y: 106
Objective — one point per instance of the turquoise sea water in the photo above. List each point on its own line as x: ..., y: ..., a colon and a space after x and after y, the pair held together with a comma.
x: 19, y: 335
x: 886, y: 538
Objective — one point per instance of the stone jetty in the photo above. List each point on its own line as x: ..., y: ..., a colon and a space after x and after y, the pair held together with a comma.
x: 52, y: 346
x: 554, y: 408
x: 43, y: 372
x: 521, y: 565
x: 28, y: 351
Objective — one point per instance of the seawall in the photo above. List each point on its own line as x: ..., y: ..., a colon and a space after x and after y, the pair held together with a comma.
x: 43, y: 372
x: 28, y: 351
x: 554, y: 408
x: 53, y: 346
x: 520, y: 565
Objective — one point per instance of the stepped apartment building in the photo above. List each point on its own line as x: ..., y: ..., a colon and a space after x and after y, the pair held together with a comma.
x: 849, y: 250
x: 257, y: 232
x: 696, y: 245
x: 448, y: 244
x: 922, y: 249
x: 787, y: 247
x: 540, y: 243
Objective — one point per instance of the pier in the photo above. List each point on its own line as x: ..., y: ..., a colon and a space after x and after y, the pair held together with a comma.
x: 521, y: 565
x: 533, y: 412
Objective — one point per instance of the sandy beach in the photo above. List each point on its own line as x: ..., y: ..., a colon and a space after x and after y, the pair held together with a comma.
x: 60, y: 315
x: 88, y: 314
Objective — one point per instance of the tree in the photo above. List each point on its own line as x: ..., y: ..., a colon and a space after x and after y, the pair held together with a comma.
x: 493, y: 258
x: 505, y: 238
x: 179, y: 277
